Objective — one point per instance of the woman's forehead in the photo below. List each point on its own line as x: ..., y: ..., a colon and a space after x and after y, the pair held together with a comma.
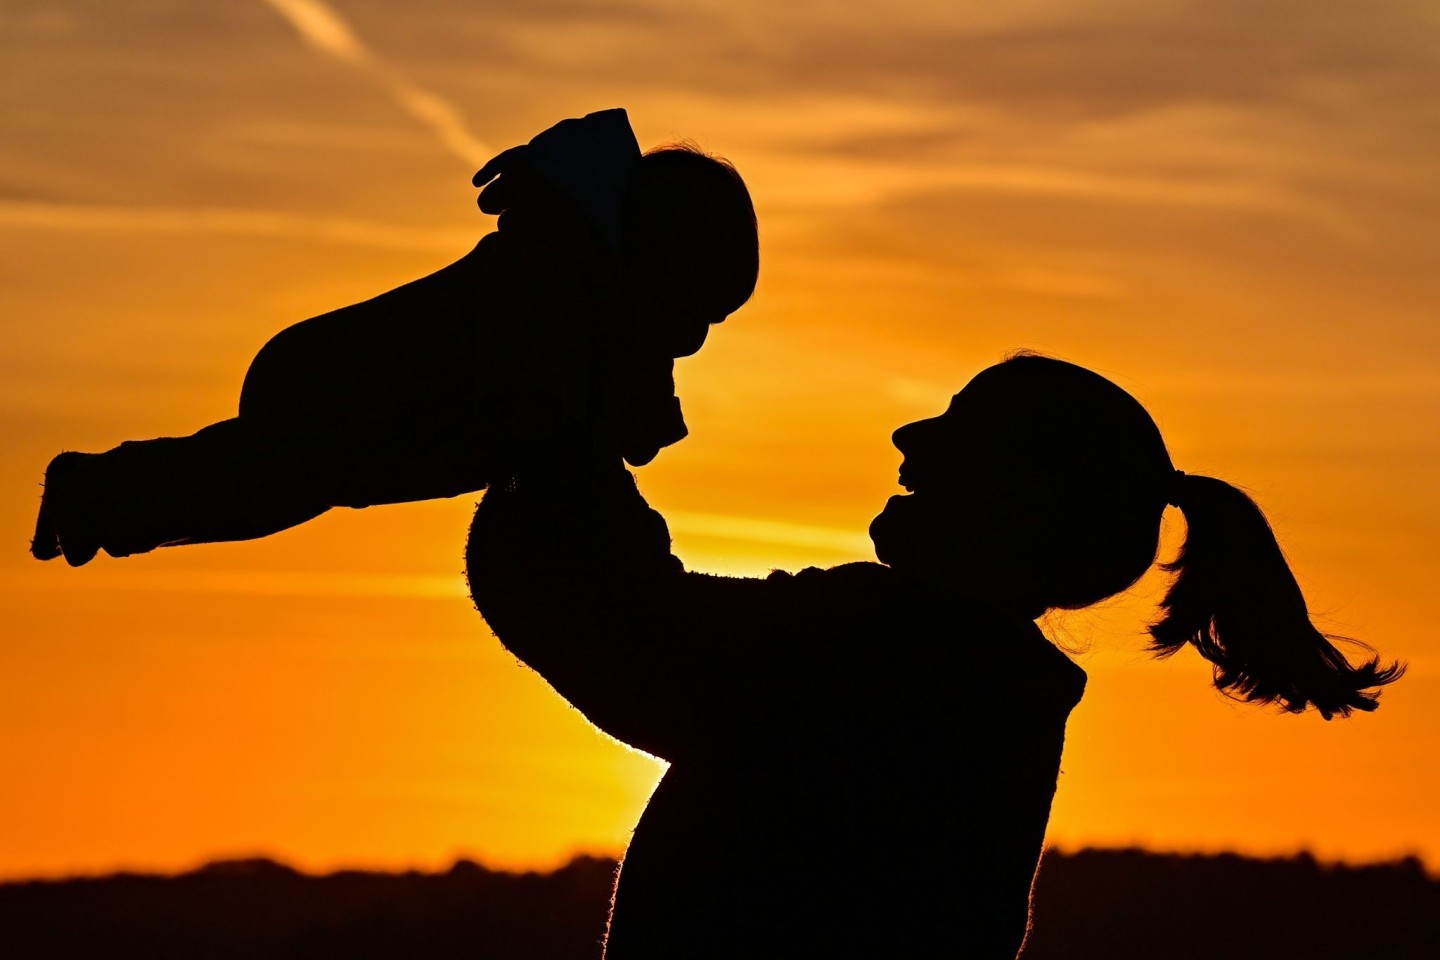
x: 979, y: 396
x: 959, y: 409
x: 969, y: 395
x: 988, y: 404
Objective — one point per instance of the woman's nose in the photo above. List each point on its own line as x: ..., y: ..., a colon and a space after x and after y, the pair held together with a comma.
x: 904, y: 437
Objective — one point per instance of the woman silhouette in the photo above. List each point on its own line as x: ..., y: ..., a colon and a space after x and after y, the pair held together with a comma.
x: 863, y: 758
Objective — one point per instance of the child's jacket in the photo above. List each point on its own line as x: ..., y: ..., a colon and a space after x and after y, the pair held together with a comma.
x: 421, y: 392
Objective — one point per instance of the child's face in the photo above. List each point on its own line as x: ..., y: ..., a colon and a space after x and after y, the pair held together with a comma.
x: 670, y: 305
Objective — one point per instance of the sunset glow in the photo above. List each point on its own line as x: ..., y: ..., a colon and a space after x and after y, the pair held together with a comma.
x: 1230, y: 209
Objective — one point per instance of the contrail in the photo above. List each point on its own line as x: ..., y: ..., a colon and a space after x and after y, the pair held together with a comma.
x: 323, y: 29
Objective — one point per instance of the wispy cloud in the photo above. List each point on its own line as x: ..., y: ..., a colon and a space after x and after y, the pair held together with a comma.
x: 778, y: 532
x: 325, y: 31
x: 247, y: 223
x: 277, y: 583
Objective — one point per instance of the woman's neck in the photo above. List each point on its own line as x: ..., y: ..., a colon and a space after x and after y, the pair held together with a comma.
x: 963, y: 586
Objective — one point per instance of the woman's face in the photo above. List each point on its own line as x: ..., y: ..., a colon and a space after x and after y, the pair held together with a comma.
x: 967, y: 521
x: 898, y: 531
x: 1041, y: 484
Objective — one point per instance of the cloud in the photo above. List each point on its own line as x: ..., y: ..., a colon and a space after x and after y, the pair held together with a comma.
x: 269, y: 583
x: 1092, y: 60
x: 1057, y: 58
x: 776, y: 532
x: 348, y: 231
x: 323, y: 29
x: 1206, y: 105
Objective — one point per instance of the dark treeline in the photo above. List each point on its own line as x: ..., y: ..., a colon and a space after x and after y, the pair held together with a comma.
x: 261, y: 910
x: 1110, y: 904
x: 1132, y: 904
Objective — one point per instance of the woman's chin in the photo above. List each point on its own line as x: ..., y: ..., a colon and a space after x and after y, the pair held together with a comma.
x: 887, y: 530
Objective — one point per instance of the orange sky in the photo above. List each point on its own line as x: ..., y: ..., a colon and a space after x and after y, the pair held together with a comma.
x: 1233, y: 209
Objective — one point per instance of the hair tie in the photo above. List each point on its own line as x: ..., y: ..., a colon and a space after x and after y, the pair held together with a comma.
x: 1172, y: 498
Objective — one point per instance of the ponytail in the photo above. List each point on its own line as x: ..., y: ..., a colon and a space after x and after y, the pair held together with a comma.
x: 1236, y: 600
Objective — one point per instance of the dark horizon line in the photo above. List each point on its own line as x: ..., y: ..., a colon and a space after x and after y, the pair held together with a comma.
x: 261, y: 865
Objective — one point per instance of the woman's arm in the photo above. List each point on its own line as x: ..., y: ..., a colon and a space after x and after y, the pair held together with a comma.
x: 573, y: 571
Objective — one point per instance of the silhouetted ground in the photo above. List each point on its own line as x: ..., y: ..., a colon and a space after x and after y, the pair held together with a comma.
x: 1122, y: 904
x: 258, y: 909
x: 1096, y: 904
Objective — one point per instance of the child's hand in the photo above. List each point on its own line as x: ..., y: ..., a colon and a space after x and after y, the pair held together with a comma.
x: 644, y: 411
x: 64, y: 525
x: 503, y: 180
x: 588, y: 159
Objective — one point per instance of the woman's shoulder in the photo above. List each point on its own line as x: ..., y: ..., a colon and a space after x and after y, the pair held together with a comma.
x: 1062, y: 677
x: 850, y: 587
x: 859, y: 573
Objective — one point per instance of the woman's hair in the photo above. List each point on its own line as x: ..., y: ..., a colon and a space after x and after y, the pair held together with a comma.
x: 684, y: 203
x: 1105, y: 478
x: 1235, y: 599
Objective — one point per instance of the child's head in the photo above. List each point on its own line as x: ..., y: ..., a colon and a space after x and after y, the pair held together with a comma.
x: 691, y: 246
x: 1043, y: 485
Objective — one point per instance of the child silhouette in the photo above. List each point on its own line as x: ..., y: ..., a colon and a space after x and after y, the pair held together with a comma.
x: 606, y: 266
x: 863, y: 758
